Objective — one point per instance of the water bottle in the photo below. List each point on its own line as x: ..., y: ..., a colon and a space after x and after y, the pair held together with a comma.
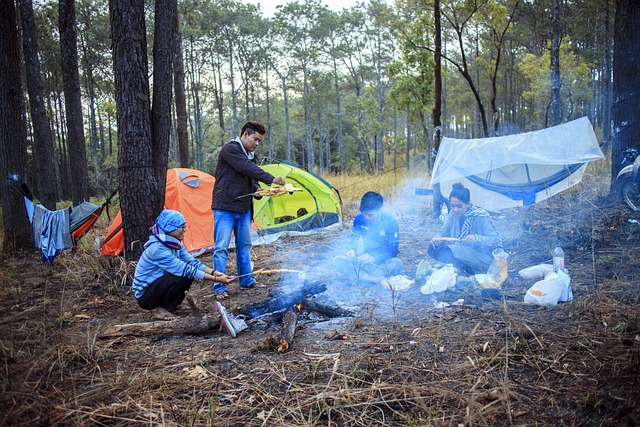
x: 558, y: 259
x: 96, y: 246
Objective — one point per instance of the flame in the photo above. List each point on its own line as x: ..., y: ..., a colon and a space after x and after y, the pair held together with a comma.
x: 299, y: 307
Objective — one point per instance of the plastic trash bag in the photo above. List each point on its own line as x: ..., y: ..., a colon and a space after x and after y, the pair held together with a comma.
x: 397, y: 283
x: 440, y: 280
x: 536, y: 271
x: 547, y: 291
x: 423, y: 270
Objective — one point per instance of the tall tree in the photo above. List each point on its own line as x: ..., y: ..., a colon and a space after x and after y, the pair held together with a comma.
x: 73, y: 101
x: 179, y: 92
x: 626, y: 81
x: 299, y: 24
x: 436, y: 113
x: 165, y: 12
x: 42, y: 137
x: 13, y: 145
x: 139, y: 190
x: 556, y: 112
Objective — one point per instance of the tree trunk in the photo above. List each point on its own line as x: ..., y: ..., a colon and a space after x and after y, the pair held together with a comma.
x: 42, y: 138
x: 165, y: 12
x: 135, y: 160
x: 179, y: 91
x: 626, y: 85
x: 307, y: 117
x: 268, y: 107
x: 339, y: 113
x: 73, y: 101
x: 556, y: 113
x: 13, y: 136
x: 608, y: 49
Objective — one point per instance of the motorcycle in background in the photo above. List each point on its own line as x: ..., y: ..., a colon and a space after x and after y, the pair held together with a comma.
x: 627, y: 178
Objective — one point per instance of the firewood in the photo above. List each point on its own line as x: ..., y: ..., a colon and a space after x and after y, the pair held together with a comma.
x: 280, y: 301
x: 311, y: 304
x: 288, y: 330
x: 183, y: 325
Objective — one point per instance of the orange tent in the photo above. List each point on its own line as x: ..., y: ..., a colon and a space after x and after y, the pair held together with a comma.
x: 188, y: 191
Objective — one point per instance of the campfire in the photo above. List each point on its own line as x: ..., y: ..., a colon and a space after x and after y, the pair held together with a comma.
x: 291, y: 303
x: 288, y: 305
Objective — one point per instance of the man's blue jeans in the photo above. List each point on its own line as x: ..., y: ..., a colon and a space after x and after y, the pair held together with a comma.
x: 225, y: 222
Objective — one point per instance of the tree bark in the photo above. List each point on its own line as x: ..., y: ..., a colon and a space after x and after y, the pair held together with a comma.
x: 13, y: 136
x: 42, y: 136
x: 556, y: 113
x: 135, y: 160
x: 626, y: 81
x: 179, y: 92
x: 165, y: 12
x: 73, y: 101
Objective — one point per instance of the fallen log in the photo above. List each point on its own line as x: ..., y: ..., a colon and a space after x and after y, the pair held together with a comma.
x: 183, y: 325
x: 288, y: 330
x: 311, y: 304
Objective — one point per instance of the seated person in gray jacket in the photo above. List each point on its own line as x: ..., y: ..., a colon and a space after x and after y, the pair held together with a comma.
x: 379, y: 236
x: 472, y: 233
x: 166, y: 270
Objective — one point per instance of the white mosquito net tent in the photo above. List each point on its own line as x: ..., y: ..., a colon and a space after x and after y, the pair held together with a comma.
x: 517, y: 170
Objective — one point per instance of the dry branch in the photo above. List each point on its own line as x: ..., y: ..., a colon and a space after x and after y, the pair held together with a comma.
x: 184, y: 325
x: 288, y: 330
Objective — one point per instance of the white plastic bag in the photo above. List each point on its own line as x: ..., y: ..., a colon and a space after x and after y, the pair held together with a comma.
x: 567, y: 292
x: 397, y: 283
x: 440, y: 280
x: 545, y: 292
x: 536, y: 271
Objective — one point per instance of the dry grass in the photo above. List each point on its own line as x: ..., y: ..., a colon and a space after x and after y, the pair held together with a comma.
x: 504, y: 363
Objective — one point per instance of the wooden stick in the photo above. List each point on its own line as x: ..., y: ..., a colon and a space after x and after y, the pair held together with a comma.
x: 289, y: 322
x: 263, y: 271
x: 183, y: 325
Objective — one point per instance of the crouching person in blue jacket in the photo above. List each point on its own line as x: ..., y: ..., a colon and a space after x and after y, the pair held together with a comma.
x: 166, y: 270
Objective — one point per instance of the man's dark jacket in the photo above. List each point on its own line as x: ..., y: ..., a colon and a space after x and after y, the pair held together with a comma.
x: 236, y: 175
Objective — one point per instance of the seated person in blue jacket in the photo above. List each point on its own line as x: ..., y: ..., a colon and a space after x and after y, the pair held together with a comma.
x: 166, y: 270
x: 379, y: 235
x: 472, y: 233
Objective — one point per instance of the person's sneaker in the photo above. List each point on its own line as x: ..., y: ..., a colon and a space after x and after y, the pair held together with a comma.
x: 238, y: 323
x: 225, y: 318
x: 232, y: 324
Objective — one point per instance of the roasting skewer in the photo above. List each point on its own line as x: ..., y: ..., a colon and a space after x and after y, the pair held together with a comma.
x: 273, y: 271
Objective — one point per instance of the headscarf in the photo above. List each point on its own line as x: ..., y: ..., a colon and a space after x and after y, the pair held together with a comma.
x: 167, y: 222
x: 170, y: 220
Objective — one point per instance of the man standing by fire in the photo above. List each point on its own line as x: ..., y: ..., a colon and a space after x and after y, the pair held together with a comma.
x: 237, y: 174
x: 379, y: 236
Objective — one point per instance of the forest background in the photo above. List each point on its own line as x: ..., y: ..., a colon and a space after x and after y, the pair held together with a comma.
x: 98, y: 96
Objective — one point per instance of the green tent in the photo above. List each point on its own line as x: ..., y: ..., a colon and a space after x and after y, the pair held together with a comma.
x: 317, y: 206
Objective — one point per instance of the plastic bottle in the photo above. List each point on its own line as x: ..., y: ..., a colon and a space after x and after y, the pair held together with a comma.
x: 497, y: 272
x: 558, y: 258
x: 96, y: 246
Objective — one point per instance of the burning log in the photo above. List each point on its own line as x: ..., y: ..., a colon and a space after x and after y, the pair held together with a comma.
x: 311, y: 304
x: 184, y: 325
x: 282, y: 300
x: 288, y: 330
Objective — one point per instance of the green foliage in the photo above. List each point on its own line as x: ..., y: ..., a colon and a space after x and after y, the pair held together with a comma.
x: 575, y: 77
